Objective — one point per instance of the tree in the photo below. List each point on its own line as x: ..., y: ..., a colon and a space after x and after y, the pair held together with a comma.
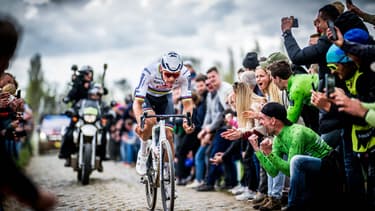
x: 34, y: 90
x: 229, y: 75
x: 39, y: 94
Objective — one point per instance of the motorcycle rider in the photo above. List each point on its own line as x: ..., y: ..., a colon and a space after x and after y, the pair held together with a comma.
x: 94, y: 98
x: 80, y: 88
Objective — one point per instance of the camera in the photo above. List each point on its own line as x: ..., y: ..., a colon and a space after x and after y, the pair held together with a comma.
x: 295, y: 23
x: 329, y: 84
x: 331, y: 26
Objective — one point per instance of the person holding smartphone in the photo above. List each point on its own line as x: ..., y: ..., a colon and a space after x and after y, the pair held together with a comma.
x: 358, y: 136
x: 369, y: 18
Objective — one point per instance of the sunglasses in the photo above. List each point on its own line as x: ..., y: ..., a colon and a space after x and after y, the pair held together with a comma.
x: 174, y: 75
x: 332, y: 67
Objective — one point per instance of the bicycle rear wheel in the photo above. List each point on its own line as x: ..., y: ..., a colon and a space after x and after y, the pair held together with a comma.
x: 151, y: 183
x: 167, y: 177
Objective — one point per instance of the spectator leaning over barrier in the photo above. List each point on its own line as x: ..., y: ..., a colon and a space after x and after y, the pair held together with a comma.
x: 351, y: 105
x: 245, y: 101
x: 311, y: 162
x: 360, y: 82
x: 272, y: 94
x: 298, y: 88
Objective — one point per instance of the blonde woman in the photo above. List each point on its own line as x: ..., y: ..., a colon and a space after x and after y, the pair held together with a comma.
x: 270, y: 91
x: 244, y: 99
x: 245, y: 103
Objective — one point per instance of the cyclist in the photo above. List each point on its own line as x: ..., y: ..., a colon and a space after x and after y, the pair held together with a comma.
x: 154, y: 96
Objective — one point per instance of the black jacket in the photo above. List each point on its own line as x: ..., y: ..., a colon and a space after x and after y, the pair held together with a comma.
x: 308, y: 55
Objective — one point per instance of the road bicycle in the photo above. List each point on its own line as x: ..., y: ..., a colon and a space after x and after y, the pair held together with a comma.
x: 160, y: 172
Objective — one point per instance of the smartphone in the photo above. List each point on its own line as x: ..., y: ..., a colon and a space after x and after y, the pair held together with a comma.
x: 329, y: 84
x: 295, y: 23
x: 331, y: 26
x: 349, y: 2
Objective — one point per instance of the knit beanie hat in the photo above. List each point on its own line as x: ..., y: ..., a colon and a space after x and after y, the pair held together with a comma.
x: 251, y: 60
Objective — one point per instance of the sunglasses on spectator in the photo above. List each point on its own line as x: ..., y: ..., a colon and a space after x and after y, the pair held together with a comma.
x: 332, y: 67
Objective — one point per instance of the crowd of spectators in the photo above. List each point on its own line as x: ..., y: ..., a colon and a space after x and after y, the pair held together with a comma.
x: 276, y: 136
x: 298, y: 146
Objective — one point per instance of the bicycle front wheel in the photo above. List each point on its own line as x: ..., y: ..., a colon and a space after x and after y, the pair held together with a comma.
x: 167, y: 177
x: 150, y: 183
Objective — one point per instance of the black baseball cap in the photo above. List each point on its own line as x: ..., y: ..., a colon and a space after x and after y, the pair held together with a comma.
x: 273, y: 109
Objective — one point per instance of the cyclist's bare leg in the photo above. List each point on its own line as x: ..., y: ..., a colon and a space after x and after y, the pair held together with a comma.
x: 144, y: 135
x: 170, y: 140
x: 147, y: 131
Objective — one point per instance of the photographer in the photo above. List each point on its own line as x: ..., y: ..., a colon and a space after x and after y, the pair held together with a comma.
x: 80, y: 88
x: 81, y: 85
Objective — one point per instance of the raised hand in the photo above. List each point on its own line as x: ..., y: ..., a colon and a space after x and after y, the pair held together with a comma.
x: 231, y: 134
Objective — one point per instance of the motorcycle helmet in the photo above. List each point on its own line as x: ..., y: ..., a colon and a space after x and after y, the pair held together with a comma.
x: 86, y: 69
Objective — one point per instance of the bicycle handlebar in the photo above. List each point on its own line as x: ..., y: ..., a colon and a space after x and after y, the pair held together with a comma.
x: 165, y: 116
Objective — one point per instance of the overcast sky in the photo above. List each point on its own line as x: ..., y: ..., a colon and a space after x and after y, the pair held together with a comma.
x: 128, y: 34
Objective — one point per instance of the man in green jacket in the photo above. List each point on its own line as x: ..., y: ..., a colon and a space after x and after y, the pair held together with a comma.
x: 311, y: 162
x: 299, y: 88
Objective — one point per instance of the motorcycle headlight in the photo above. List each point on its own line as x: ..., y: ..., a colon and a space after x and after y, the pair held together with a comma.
x: 89, y: 118
x: 43, y: 136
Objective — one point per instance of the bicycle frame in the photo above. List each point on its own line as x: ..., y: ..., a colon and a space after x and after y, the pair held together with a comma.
x: 160, y: 164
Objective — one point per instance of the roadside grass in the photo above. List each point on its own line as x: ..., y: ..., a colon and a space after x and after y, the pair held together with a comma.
x: 24, y: 157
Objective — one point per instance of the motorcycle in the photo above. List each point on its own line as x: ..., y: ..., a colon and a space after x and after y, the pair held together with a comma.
x: 87, y: 136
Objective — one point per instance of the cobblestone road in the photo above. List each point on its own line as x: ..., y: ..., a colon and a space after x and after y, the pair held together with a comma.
x: 117, y: 188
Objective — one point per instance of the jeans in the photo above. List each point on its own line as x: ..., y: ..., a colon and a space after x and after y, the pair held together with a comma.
x: 200, y: 163
x: 215, y: 171
x: 332, y: 138
x: 353, y: 171
x: 302, y: 168
x: 357, y: 164
x: 250, y: 164
x: 13, y: 147
x: 276, y: 185
x: 189, y: 142
x: 128, y: 152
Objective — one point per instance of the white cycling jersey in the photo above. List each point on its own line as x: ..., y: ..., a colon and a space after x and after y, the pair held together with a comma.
x: 152, y: 83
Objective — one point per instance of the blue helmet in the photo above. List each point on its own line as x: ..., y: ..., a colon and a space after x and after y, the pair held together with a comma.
x: 172, y: 62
